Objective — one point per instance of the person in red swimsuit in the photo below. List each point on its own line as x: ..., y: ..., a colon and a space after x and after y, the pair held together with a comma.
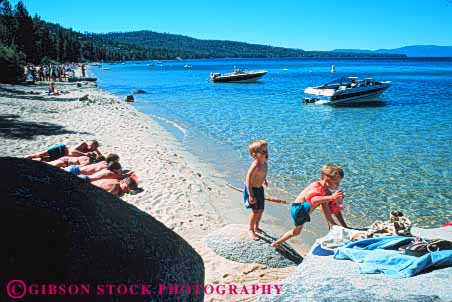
x: 317, y: 193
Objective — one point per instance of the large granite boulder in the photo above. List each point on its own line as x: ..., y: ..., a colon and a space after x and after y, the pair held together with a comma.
x: 233, y: 243
x: 324, y: 279
x: 56, y: 228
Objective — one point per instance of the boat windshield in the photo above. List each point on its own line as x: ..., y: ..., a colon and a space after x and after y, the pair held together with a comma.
x: 240, y: 71
x: 340, y: 82
x: 370, y: 81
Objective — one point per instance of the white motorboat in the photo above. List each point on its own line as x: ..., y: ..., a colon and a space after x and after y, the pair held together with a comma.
x: 237, y: 76
x: 348, y: 90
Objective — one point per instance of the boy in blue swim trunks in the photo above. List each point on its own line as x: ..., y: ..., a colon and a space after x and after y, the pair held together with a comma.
x: 256, y: 177
x: 317, y: 193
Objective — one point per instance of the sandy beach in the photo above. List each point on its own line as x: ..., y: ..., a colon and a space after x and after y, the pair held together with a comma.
x: 181, y: 191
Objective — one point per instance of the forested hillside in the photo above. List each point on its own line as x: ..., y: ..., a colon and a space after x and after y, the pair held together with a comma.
x: 191, y: 48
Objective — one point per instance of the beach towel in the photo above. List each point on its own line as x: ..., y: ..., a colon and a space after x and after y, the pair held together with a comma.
x: 381, y: 255
x: 339, y: 236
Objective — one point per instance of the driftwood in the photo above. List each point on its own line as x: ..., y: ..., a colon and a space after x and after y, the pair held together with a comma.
x: 268, y: 198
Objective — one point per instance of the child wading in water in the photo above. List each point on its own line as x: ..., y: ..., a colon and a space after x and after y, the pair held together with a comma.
x: 254, y: 191
x: 317, y: 193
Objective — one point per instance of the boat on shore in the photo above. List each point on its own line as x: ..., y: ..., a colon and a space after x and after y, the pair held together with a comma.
x: 347, y: 91
x: 237, y: 76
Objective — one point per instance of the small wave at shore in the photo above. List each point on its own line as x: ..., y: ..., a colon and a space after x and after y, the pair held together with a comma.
x: 171, y: 123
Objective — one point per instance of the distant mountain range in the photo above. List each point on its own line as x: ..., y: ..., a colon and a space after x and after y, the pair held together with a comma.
x: 409, y: 51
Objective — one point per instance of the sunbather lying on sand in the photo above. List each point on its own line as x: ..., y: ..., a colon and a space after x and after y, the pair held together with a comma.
x: 113, y: 171
x: 93, y: 168
x: 66, y: 161
x: 116, y: 186
x: 60, y: 150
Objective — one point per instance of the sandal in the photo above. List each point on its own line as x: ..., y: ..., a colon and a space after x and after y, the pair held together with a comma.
x: 420, y: 247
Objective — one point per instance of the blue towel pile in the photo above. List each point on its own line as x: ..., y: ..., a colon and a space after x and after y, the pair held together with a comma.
x: 381, y: 255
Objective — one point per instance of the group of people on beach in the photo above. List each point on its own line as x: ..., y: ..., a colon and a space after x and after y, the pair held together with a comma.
x: 323, y: 193
x: 50, y: 72
x: 87, y: 162
x: 53, y: 73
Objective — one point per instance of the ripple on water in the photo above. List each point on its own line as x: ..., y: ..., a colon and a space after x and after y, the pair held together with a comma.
x: 395, y: 156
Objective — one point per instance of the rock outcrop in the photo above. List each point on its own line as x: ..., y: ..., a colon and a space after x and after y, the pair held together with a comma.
x: 56, y: 228
x: 233, y: 243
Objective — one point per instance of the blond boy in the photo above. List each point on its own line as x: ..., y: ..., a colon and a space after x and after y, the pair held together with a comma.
x: 317, y: 193
x: 256, y: 178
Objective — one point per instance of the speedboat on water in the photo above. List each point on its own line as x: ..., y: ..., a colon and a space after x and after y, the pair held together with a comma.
x: 238, y: 76
x: 348, y: 90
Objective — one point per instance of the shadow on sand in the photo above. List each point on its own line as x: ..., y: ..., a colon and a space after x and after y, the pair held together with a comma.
x: 13, y: 128
x: 284, y: 250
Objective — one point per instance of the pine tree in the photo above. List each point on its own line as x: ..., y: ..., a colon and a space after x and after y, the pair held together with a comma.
x: 25, y: 39
x: 8, y: 24
x: 61, y: 46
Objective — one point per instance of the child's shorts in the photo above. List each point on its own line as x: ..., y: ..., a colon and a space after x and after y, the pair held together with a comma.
x: 300, y: 213
x: 259, y: 196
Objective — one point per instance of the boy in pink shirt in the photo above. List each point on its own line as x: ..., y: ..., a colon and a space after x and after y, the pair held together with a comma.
x: 317, y: 193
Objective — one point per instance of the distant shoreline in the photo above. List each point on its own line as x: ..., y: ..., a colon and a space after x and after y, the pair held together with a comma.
x: 294, y: 58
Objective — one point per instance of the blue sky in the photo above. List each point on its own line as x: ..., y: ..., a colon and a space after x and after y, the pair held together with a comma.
x: 309, y: 25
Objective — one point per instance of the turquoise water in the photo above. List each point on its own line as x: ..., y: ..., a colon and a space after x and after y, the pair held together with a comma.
x: 395, y: 156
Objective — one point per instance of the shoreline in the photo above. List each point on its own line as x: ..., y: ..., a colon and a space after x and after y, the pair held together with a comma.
x: 276, y: 217
x: 179, y: 190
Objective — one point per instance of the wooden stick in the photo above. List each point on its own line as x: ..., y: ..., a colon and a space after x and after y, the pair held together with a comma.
x: 268, y: 198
